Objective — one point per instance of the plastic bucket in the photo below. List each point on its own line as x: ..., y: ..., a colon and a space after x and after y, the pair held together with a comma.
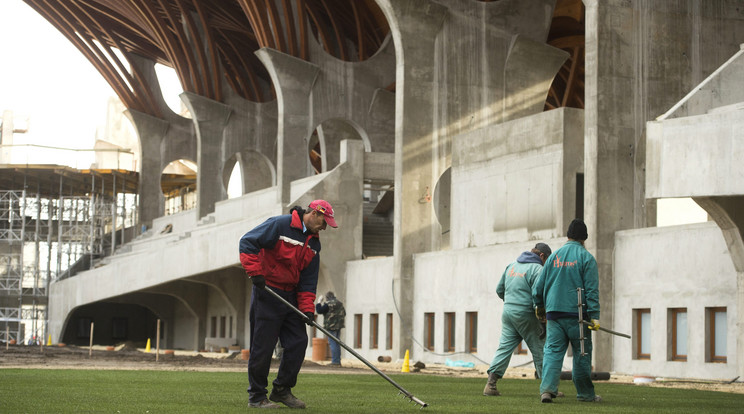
x: 319, y: 349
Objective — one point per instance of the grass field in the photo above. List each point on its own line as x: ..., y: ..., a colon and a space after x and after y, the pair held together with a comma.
x: 76, y: 391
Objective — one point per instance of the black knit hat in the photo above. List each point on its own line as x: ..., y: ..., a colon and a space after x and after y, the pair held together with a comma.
x: 577, y: 230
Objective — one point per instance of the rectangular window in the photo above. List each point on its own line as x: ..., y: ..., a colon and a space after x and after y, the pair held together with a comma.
x: 678, y: 319
x: 374, y: 320
x: 358, y: 330
x: 389, y: 330
x: 471, y: 331
x: 213, y: 327
x: 231, y: 327
x: 716, y: 334
x: 642, y: 343
x: 223, y: 325
x: 429, y: 330
x: 449, y: 331
x: 521, y: 349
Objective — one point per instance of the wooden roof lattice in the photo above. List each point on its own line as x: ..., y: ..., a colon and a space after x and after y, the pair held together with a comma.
x: 209, y: 42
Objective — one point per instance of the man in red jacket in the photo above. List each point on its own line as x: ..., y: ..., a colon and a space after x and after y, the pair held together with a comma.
x: 282, y: 254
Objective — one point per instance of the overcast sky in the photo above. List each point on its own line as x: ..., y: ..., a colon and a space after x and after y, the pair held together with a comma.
x: 44, y: 77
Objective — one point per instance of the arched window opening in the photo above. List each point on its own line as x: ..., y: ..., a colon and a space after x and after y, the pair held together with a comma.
x: 178, y: 182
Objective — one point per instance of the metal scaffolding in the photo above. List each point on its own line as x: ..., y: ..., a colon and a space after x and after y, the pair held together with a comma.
x: 48, y: 235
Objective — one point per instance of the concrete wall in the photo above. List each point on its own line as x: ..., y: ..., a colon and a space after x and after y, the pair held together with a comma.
x: 673, y: 267
x: 517, y: 180
x: 457, y: 281
x: 463, y: 281
x: 369, y: 290
x: 697, y: 156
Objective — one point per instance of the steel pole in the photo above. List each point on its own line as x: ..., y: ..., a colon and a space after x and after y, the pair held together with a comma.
x: 581, y: 328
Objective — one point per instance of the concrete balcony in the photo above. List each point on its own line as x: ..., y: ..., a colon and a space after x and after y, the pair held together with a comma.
x: 696, y: 156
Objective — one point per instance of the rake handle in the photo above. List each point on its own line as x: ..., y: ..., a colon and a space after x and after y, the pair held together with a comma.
x: 346, y: 347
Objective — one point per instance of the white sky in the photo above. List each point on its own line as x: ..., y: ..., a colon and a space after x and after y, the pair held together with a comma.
x: 44, y: 78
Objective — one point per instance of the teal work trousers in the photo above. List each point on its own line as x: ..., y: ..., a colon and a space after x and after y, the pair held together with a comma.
x: 560, y: 333
x: 516, y: 325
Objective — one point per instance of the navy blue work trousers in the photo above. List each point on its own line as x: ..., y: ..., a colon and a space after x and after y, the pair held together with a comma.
x: 272, y: 320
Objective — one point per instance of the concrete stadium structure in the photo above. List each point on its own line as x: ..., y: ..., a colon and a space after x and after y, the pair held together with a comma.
x: 478, y: 172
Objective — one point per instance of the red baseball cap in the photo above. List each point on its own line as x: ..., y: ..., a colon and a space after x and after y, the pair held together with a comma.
x: 324, y: 207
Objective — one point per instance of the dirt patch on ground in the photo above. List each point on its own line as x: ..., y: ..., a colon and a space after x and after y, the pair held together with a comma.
x: 129, y: 358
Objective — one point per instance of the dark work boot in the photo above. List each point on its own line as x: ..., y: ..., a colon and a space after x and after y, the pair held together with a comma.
x: 490, y: 389
x: 284, y: 396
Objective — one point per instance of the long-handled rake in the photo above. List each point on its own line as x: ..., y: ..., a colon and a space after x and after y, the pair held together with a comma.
x: 402, y: 390
x: 584, y: 322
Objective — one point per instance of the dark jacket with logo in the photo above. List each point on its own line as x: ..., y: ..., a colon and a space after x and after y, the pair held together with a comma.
x: 567, y: 269
x: 287, y: 257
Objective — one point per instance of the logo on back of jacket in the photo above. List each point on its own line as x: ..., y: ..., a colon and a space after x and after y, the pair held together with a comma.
x: 558, y: 263
x: 512, y: 273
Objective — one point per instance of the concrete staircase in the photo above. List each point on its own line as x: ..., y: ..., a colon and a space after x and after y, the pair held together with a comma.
x: 377, y: 232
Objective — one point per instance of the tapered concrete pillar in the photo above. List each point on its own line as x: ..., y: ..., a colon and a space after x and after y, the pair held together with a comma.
x: 210, y: 119
x: 161, y: 141
x: 250, y: 137
x: 414, y: 25
x: 633, y: 57
x: 151, y: 132
x: 293, y: 80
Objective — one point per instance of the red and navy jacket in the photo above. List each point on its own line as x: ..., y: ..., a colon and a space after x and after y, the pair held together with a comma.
x: 284, y: 255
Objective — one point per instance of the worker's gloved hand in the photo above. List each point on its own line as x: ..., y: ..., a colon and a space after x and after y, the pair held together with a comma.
x: 540, y: 313
x: 309, y: 318
x: 258, y: 281
x: 594, y: 326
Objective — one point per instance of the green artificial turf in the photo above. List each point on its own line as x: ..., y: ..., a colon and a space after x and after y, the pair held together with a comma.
x: 76, y: 391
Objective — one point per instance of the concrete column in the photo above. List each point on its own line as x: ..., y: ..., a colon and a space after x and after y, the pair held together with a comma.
x: 608, y: 157
x: 151, y: 132
x: 250, y: 137
x: 293, y: 81
x: 161, y: 141
x: 628, y: 48
x: 210, y: 119
x: 414, y: 25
